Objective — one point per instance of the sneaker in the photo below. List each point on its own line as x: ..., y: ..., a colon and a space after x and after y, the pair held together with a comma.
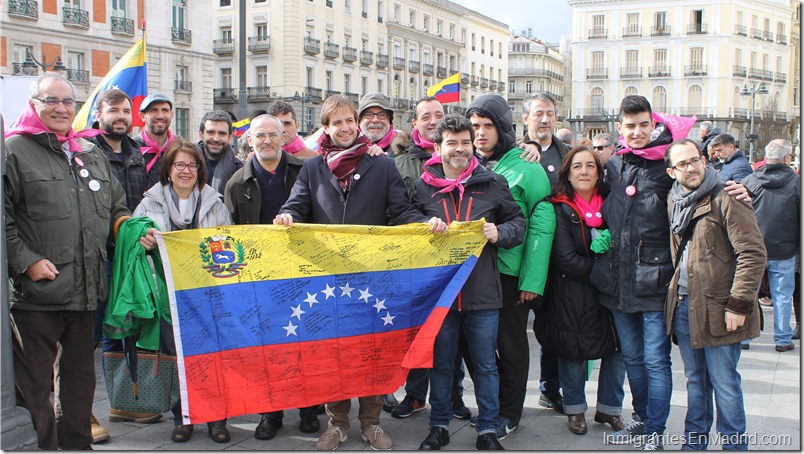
x: 505, y: 427
x: 634, y: 428
x: 459, y: 409
x: 785, y: 348
x: 99, y: 433
x: 116, y: 415
x: 389, y: 401
x: 331, y: 439
x: 408, y: 406
x: 652, y: 443
x: 377, y: 438
x: 554, y: 402
x: 797, y: 332
x: 473, y: 421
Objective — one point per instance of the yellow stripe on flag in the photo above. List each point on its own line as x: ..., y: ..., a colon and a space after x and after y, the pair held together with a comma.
x: 453, y: 79
x: 240, y: 123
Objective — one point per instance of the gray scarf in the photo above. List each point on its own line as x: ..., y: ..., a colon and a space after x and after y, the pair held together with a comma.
x: 684, y: 201
x: 227, y: 164
x: 177, y: 221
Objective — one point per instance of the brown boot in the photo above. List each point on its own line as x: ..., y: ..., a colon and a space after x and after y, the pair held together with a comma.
x: 577, y: 424
x: 99, y: 433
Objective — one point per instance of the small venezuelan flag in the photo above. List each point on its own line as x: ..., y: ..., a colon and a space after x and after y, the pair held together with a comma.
x: 240, y: 127
x: 448, y: 90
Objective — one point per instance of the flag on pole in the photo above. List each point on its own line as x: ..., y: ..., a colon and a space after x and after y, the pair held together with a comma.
x: 240, y: 127
x: 268, y: 318
x: 129, y: 74
x: 448, y: 90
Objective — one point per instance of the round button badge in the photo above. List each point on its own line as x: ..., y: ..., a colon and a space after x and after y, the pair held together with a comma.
x: 551, y: 168
x: 84, y: 173
x: 94, y: 186
x: 630, y: 190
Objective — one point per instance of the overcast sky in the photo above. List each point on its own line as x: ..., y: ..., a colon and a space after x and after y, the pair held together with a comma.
x: 549, y: 18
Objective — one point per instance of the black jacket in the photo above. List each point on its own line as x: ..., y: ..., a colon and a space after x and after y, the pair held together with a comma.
x: 486, y: 195
x: 551, y: 158
x: 716, y: 131
x: 776, y: 192
x: 633, y: 276
x: 572, y: 323
x: 131, y: 172
x: 377, y: 189
x: 243, y: 196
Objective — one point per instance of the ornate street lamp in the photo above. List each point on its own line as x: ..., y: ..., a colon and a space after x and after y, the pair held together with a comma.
x: 753, y: 92
x: 29, y: 66
x: 304, y: 97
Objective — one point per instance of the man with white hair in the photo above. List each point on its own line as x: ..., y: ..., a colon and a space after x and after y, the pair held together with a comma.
x: 707, y: 133
x: 776, y: 192
x: 603, y: 144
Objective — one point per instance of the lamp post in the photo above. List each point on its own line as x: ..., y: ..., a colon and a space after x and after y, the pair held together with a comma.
x: 753, y: 92
x: 304, y: 97
x: 29, y: 66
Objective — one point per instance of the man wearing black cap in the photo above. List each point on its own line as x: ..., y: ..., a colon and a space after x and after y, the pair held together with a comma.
x: 376, y: 119
x: 156, y: 111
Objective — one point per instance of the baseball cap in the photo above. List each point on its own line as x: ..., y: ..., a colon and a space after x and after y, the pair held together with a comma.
x: 375, y: 99
x: 156, y: 97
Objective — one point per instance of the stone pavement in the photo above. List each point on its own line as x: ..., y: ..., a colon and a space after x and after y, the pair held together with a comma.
x: 771, y: 386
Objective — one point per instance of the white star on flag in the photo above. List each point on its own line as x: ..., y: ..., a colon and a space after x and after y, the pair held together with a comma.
x: 379, y: 305
x: 297, y: 312
x: 329, y: 291
x: 311, y: 299
x: 346, y: 290
x: 365, y: 295
x: 291, y: 329
x: 388, y: 319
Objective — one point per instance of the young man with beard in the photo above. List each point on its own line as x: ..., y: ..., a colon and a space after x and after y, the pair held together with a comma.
x: 455, y: 187
x: 156, y: 112
x: 216, y: 134
x: 711, y: 310
x: 291, y: 142
x: 376, y: 120
x: 370, y: 186
x: 523, y: 269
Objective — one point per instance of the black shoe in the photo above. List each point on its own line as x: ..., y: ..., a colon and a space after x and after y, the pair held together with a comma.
x: 322, y: 410
x: 219, y: 433
x: 785, y: 348
x: 488, y: 442
x: 389, y: 401
x: 438, y: 438
x: 797, y: 332
x: 267, y: 428
x: 309, y: 423
x: 459, y: 409
x: 408, y: 406
x: 181, y: 433
x: 555, y: 402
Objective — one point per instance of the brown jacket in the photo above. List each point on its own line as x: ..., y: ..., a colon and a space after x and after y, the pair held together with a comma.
x: 725, y: 263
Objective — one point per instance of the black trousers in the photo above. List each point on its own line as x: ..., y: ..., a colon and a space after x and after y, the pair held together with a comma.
x: 513, y: 352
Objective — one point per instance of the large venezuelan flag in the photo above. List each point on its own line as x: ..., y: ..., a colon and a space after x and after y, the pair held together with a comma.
x: 129, y: 74
x: 448, y: 90
x: 269, y: 318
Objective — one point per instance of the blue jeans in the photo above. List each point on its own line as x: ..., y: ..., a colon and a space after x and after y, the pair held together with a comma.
x: 610, y: 392
x: 480, y: 329
x: 781, y: 281
x: 549, y: 374
x: 710, y: 371
x: 646, y: 352
x: 419, y: 380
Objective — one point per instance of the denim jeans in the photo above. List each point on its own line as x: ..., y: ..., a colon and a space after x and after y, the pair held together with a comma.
x: 480, y: 328
x: 781, y: 280
x: 646, y: 352
x: 610, y: 392
x: 549, y: 374
x: 419, y: 381
x: 710, y: 371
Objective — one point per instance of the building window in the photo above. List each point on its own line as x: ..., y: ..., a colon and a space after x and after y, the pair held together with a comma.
x: 632, y: 59
x: 380, y: 86
x: 632, y: 23
x: 181, y: 73
x: 426, y: 23
x: 182, y: 121
x: 659, y: 99
x: 328, y: 81
x: 364, y: 85
x: 596, y: 99
x: 347, y: 83
x: 599, y: 25
x: 119, y: 8
x: 412, y: 89
x: 309, y: 76
x: 452, y: 31
x: 226, y: 35
x: 631, y: 91
x: 348, y: 6
x: 179, y: 14
x: 396, y: 85
x: 226, y: 78
x: 226, y: 2
x: 597, y: 60
x: 511, y: 87
x: 738, y: 57
x: 397, y: 13
x: 696, y: 57
x: 262, y: 32
x: 262, y: 76
x: 364, y: 8
x: 75, y: 60
x: 695, y: 97
x: 412, y: 19
x: 440, y: 28
x: 528, y: 86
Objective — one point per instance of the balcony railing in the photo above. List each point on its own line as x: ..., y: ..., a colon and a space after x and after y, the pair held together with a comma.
x: 740, y: 112
x: 659, y: 71
x: 399, y: 63
x: 441, y: 71
x: 23, y: 8
x: 328, y: 93
x: 781, y: 39
x: 413, y: 66
x: 630, y: 73
x: 331, y: 50
x: 76, y: 17
x: 741, y: 30
x: 767, y: 35
x: 598, y: 33
x: 780, y: 77
x: 756, y: 33
x: 181, y: 35
x: 223, y: 46
x: 259, y: 43
x: 79, y: 76
x: 314, y: 93
x: 224, y: 94
x: 484, y: 82
x: 767, y: 75
x: 501, y: 85
x: 349, y: 54
x: 122, y: 25
x: 366, y: 57
x: 664, y: 30
x: 260, y: 92
x: 465, y: 78
x: 535, y: 72
x: 695, y: 70
x: 399, y: 103
x: 475, y: 81
x: 597, y: 73
x: 632, y: 32
x: 185, y: 86
x: 382, y: 60
x: 312, y: 45
x: 755, y: 73
x: 698, y: 111
x: 594, y: 113
x: 739, y: 71
x: 354, y: 96
x: 427, y: 69
x: 697, y: 29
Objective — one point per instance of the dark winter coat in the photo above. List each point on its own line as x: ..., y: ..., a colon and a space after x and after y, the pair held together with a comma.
x: 552, y: 157
x: 776, y: 192
x: 735, y: 168
x: 131, y: 172
x: 243, y: 196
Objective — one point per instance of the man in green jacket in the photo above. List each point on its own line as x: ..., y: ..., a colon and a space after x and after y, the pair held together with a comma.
x: 61, y: 201
x: 523, y: 269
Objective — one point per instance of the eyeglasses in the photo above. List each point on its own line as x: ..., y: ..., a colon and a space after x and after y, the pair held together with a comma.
x: 263, y: 136
x: 682, y: 165
x: 381, y: 115
x: 53, y: 102
x: 180, y: 166
x: 600, y: 147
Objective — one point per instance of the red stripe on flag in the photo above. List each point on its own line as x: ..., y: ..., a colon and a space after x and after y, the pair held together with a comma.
x: 448, y: 97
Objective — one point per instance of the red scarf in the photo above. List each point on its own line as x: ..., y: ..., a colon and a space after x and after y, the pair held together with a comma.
x: 446, y: 184
x: 423, y: 143
x: 385, y: 142
x: 29, y: 123
x: 590, y: 211
x: 152, y: 147
x: 343, y: 162
x: 295, y: 146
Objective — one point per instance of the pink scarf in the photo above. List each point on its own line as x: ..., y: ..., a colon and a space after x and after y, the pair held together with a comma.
x: 30, y: 123
x: 445, y: 184
x: 343, y: 162
x: 590, y: 211
x: 423, y: 143
x: 385, y: 142
x: 295, y: 146
x: 654, y: 150
x: 152, y: 147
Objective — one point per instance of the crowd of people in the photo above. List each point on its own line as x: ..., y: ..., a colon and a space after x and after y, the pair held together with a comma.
x: 619, y: 248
